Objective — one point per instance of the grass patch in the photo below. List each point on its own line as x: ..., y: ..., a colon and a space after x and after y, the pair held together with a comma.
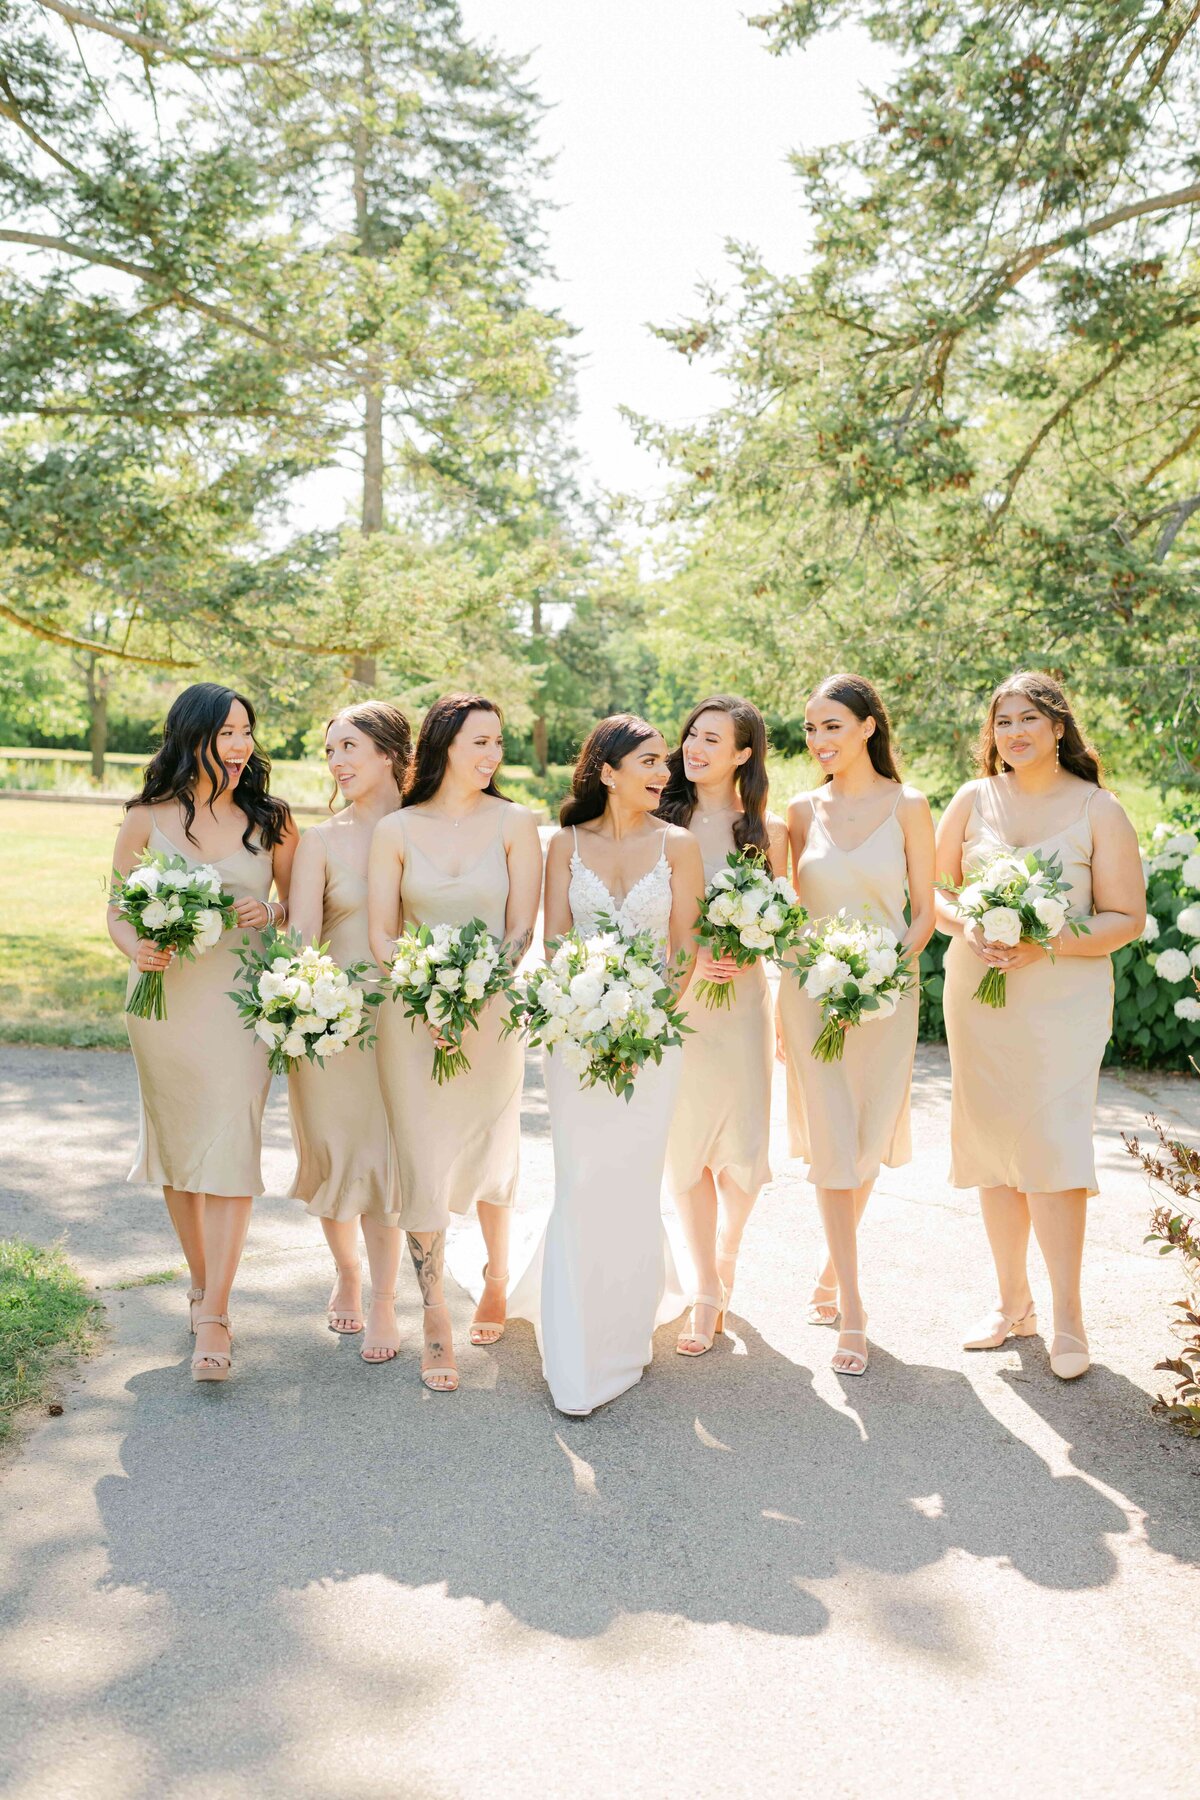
x: 47, y: 1314
x: 160, y: 1278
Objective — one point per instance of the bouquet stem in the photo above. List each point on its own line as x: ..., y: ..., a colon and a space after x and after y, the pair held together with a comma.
x: 993, y: 989
x: 148, y: 999
x: 448, y: 1063
x: 716, y: 994
x: 831, y: 1042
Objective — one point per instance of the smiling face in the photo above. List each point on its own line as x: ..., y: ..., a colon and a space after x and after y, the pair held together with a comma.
x: 234, y: 745
x: 1025, y: 736
x: 637, y: 781
x: 710, y: 753
x: 477, y: 750
x: 836, y: 736
x: 357, y: 764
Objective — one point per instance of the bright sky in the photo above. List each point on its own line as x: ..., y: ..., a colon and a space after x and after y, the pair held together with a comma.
x: 671, y: 124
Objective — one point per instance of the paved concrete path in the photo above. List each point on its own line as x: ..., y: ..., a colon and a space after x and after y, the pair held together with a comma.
x: 956, y: 1577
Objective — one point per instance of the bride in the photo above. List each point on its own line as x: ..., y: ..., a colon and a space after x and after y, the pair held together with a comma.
x: 604, y: 1259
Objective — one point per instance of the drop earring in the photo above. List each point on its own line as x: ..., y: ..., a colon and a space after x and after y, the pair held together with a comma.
x: 1057, y: 749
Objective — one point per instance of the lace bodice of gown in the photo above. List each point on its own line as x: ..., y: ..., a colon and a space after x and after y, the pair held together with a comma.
x: 646, y: 907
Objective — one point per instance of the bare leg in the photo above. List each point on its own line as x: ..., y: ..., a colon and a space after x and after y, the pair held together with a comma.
x: 1006, y: 1220
x: 383, y: 1254
x: 839, y: 1215
x: 698, y: 1216
x: 1059, y: 1221
x: 226, y: 1222
x: 428, y: 1252
x: 736, y: 1207
x: 495, y: 1222
x: 187, y: 1216
x: 824, y: 1306
x: 345, y: 1302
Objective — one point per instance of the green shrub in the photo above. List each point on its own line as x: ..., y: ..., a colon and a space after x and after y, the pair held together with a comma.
x: 1147, y: 1027
x: 46, y: 1315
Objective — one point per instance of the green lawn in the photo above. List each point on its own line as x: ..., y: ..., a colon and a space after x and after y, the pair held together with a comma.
x: 46, y: 1315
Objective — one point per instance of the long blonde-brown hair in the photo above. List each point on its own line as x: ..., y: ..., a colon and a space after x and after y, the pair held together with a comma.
x: 388, y: 730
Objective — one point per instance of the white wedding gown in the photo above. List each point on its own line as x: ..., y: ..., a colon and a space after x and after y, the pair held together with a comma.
x: 603, y: 1276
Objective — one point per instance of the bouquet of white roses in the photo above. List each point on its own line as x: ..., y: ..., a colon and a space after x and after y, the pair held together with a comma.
x: 604, y: 1003
x: 175, y: 906
x: 746, y: 913
x: 856, y: 972
x: 299, y: 1002
x: 445, y: 975
x: 1015, y: 899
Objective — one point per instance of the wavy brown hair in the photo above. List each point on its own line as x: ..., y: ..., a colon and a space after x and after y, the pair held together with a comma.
x: 611, y: 741
x: 439, y: 728
x: 1075, y: 754
x: 864, y: 701
x: 749, y: 733
x: 388, y: 730
x: 190, y: 736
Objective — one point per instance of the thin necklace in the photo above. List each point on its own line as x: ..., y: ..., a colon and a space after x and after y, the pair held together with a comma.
x: 467, y: 815
x: 720, y: 812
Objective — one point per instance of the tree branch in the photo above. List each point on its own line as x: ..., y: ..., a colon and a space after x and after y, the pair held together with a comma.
x: 146, y: 45
x: 9, y: 109
x: 49, y: 635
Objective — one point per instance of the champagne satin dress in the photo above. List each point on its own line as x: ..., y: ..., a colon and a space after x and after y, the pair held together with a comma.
x: 722, y: 1116
x: 339, y: 1127
x: 202, y: 1075
x: 849, y: 1117
x: 1024, y: 1076
x: 460, y: 1143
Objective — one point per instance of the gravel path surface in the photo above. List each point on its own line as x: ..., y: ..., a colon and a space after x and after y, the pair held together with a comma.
x: 956, y: 1577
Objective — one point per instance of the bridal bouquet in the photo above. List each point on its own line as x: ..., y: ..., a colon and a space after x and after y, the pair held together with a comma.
x: 299, y: 1002
x: 175, y: 906
x: 1015, y: 899
x: 605, y: 1003
x: 445, y: 975
x: 746, y: 913
x: 856, y: 972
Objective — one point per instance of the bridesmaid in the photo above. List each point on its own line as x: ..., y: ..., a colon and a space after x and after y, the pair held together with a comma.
x: 1025, y: 1075
x: 202, y: 1076
x: 862, y: 841
x: 717, y: 1151
x: 458, y: 850
x: 338, y: 1123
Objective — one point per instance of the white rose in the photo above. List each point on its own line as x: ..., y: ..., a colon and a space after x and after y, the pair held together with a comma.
x: 577, y: 1058
x: 436, y: 954
x: 870, y: 978
x: 553, y: 1031
x: 616, y: 1003
x: 328, y: 997
x: 826, y: 974
x: 785, y: 890
x: 268, y: 1031
x: 1150, y: 929
x: 586, y: 989
x: 1189, y: 921
x: 722, y: 909
x: 772, y: 918
x: 1173, y: 965
x: 209, y: 927
x: 473, y: 990
x: 1184, y: 843
x: 294, y: 1044
x: 332, y: 1046
x: 1051, y: 913
x: 135, y: 882
x: 478, y: 971
x: 971, y: 898
x: 282, y: 965
x: 1188, y: 1008
x: 883, y: 959
x: 1004, y: 870
x: 450, y: 979
x: 656, y: 1022
x: 1001, y: 925
x: 437, y: 1007
x: 642, y: 977
x: 149, y: 879
x: 595, y: 1020
x: 747, y: 912
x: 755, y: 938
x: 154, y: 915
x: 176, y: 878
x: 560, y: 1004
x: 887, y: 1005
x: 309, y: 1023
x: 724, y: 878
x: 269, y: 986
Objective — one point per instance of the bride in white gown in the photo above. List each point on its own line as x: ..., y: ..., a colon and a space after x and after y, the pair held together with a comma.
x: 602, y: 1276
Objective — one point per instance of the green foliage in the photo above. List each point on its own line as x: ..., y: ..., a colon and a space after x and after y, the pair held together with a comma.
x: 966, y: 438
x: 46, y: 1316
x: 1174, y: 1171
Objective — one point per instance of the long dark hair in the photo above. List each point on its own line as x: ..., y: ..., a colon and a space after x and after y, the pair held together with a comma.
x: 1075, y: 754
x: 610, y: 742
x: 863, y: 700
x: 388, y: 730
x: 441, y: 725
x: 190, y: 731
x: 749, y: 733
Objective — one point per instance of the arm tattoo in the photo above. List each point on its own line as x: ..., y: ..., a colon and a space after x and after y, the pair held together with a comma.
x: 429, y: 1261
x: 518, y: 945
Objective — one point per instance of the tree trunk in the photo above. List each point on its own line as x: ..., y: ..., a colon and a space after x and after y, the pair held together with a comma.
x: 97, y: 701
x: 365, y: 670
x: 541, y: 735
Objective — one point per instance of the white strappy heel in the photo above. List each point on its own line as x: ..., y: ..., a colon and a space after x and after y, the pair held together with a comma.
x: 860, y: 1356
x: 997, y: 1328
x: 687, y: 1340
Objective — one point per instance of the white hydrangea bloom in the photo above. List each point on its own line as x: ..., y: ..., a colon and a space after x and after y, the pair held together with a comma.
x: 1189, y: 874
x: 1150, y: 930
x: 1172, y: 965
x: 1188, y: 1008
x: 1188, y: 921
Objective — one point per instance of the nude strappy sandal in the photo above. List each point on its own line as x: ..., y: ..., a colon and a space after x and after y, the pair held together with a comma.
x: 223, y: 1360
x: 439, y: 1378
x: 387, y: 1354
x: 687, y: 1341
x: 860, y: 1356
x: 1074, y: 1363
x: 194, y: 1296
x: 494, y: 1329
x: 333, y: 1312
x: 995, y: 1330
x: 823, y: 1312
